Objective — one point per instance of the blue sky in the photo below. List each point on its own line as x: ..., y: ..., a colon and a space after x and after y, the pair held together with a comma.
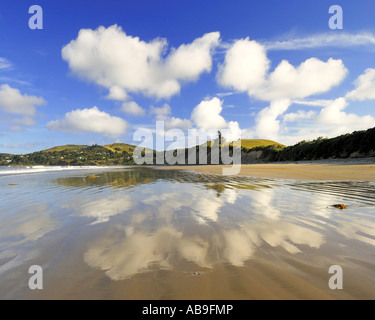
x: 263, y: 69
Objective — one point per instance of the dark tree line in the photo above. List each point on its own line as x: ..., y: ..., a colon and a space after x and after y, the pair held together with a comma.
x: 358, y: 144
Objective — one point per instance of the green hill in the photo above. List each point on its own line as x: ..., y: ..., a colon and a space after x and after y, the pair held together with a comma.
x: 120, y: 147
x: 78, y: 155
x: 68, y: 147
x: 254, y: 143
x: 114, y: 147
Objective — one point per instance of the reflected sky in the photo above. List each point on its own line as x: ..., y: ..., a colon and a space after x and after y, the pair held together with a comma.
x: 208, y: 220
x: 131, y: 221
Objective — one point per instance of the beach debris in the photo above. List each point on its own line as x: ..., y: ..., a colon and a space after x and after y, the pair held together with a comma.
x: 91, y: 176
x: 339, y: 206
x: 196, y: 273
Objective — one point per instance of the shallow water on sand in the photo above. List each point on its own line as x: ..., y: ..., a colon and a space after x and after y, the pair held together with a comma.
x: 141, y: 233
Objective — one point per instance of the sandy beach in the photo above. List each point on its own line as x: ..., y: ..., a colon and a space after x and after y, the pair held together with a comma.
x: 140, y: 233
x: 318, y: 171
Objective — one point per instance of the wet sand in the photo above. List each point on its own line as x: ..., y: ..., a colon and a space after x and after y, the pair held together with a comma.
x: 301, y: 171
x: 261, y: 278
x: 173, y: 235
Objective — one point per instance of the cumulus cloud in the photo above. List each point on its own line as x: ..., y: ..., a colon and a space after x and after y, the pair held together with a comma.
x: 117, y: 93
x: 164, y: 114
x: 332, y: 120
x: 14, y: 102
x: 161, y: 113
x: 132, y: 108
x: 311, y: 77
x: 188, y: 61
x: 245, y: 66
x: 174, y: 122
x: 267, y: 123
x: 207, y: 117
x: 20, y: 108
x: 233, y: 131
x: 334, y: 115
x: 246, y: 69
x: 125, y: 64
x: 90, y: 120
x: 364, y: 87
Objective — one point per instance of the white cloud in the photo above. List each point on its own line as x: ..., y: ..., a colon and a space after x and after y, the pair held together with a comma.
x: 334, y: 115
x: 267, y: 123
x: 365, y: 87
x: 246, y: 69
x: 224, y: 94
x: 132, y: 108
x: 13, y: 102
x: 19, y: 123
x: 161, y: 113
x: 206, y: 115
x: 206, y: 118
x: 5, y: 64
x: 126, y: 64
x: 13, y: 80
x: 248, y: 133
x: 300, y: 114
x: 117, y: 93
x: 164, y: 114
x: 245, y: 66
x: 312, y: 76
x: 178, y: 123
x: 323, y: 40
x: 314, y: 103
x: 233, y: 131
x: 90, y: 120
x: 331, y: 121
x: 188, y: 61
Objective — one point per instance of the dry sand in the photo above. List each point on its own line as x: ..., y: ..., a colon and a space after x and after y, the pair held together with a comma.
x: 300, y: 171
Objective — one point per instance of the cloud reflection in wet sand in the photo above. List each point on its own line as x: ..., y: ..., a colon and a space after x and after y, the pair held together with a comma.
x: 27, y: 224
x: 205, y: 220
x: 21, y: 228
x: 140, y: 251
x: 139, y: 220
x: 140, y: 246
x: 103, y: 209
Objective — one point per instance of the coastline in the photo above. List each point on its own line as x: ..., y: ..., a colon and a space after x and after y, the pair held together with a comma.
x: 335, y: 170
x: 360, y: 169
